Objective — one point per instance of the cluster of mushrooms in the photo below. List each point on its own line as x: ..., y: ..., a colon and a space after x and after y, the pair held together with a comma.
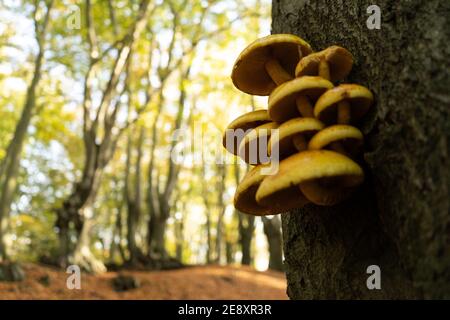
x: 317, y: 142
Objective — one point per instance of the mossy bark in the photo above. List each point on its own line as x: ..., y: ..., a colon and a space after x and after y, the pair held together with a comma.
x: 399, y: 220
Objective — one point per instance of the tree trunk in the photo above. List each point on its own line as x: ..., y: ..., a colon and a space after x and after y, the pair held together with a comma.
x: 399, y: 219
x: 222, y: 173
x: 158, y: 240
x: 99, y: 149
x: 9, y: 166
x: 229, y: 252
x: 246, y: 223
x: 246, y: 229
x: 131, y: 232
x: 82, y: 255
x: 3, y: 255
x: 160, y: 212
x: 208, y: 237
x: 246, y: 241
x: 208, y: 213
x: 179, y: 234
x: 133, y: 196
x: 272, y: 229
x: 70, y: 216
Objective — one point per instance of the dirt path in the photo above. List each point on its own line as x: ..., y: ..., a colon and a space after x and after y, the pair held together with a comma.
x: 204, y: 282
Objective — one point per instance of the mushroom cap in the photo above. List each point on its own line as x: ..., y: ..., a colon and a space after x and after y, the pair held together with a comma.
x: 282, y: 105
x: 244, y: 198
x: 359, y: 97
x: 245, y: 122
x: 247, y: 150
x: 249, y: 73
x: 289, y: 129
x: 339, y: 59
x: 311, y: 165
x: 349, y: 136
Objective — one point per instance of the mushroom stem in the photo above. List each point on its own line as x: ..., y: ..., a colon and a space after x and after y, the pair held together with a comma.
x: 343, y: 112
x: 324, y: 69
x: 304, y: 106
x: 322, y: 195
x: 277, y: 72
x: 299, y: 142
x: 338, y: 147
x: 300, y: 53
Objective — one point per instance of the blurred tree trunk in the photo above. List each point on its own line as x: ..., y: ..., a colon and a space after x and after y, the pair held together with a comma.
x: 9, y: 166
x: 99, y: 138
x: 157, y: 238
x: 246, y: 225
x: 221, y: 184
x: 246, y: 230
x: 179, y: 234
x: 83, y: 255
x: 229, y: 251
x: 399, y: 220
x: 160, y: 195
x: 208, y: 212
x: 117, y: 234
x: 272, y: 229
x: 133, y: 195
x: 182, y: 205
x: 116, y: 196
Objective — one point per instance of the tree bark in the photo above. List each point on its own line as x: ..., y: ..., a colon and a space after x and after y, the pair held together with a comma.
x: 83, y: 255
x: 272, y: 229
x: 222, y: 174
x: 133, y: 196
x: 99, y: 147
x: 229, y: 252
x: 246, y: 223
x: 179, y: 236
x: 208, y: 212
x: 159, y: 199
x: 399, y: 219
x: 246, y: 229
x: 9, y: 166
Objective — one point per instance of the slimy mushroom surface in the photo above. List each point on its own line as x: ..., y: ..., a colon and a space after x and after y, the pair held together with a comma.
x: 341, y: 138
x: 334, y: 64
x: 357, y: 100
x: 324, y: 177
x: 245, y: 201
x: 253, y: 149
x: 245, y: 122
x: 293, y: 136
x: 296, y: 97
x: 268, y: 62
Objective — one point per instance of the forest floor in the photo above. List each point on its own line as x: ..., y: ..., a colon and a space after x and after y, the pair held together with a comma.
x: 200, y: 282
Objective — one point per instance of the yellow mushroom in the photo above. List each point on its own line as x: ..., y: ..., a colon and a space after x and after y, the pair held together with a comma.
x: 343, y: 104
x: 333, y: 63
x: 253, y: 148
x: 341, y: 138
x: 244, y: 198
x: 296, y: 97
x: 236, y: 130
x: 268, y: 62
x: 324, y: 177
x: 293, y: 136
